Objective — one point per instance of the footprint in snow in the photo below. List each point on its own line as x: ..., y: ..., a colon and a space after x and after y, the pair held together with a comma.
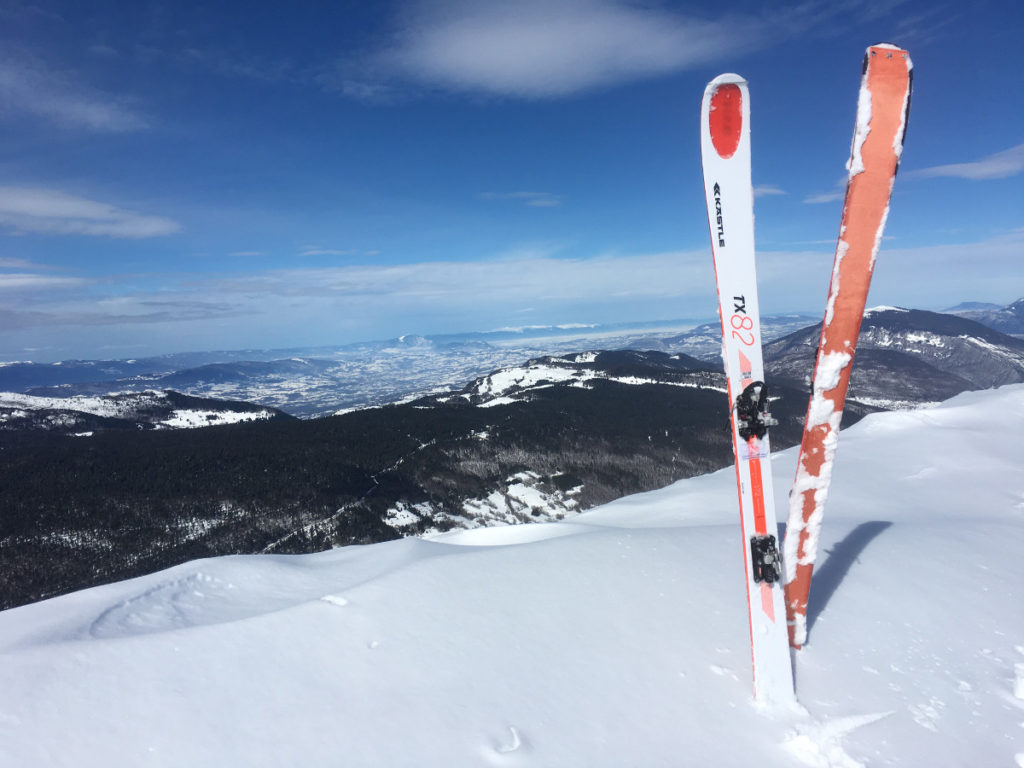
x: 191, y: 600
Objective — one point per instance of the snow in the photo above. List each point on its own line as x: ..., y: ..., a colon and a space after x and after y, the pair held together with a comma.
x: 98, y: 406
x: 855, y: 164
x: 877, y: 244
x: 510, y: 385
x: 883, y: 308
x: 122, y: 405
x: 503, y: 381
x: 617, y: 638
x: 828, y: 370
x: 833, y: 291
x: 184, y: 419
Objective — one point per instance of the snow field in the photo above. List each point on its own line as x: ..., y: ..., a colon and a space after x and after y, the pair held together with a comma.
x: 618, y: 638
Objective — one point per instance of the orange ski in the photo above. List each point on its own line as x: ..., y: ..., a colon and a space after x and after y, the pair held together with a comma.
x: 882, y: 110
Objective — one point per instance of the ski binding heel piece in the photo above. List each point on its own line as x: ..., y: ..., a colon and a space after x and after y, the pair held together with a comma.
x: 764, y: 555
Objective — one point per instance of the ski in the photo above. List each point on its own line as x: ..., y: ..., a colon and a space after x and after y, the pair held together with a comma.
x: 882, y: 110
x: 725, y: 153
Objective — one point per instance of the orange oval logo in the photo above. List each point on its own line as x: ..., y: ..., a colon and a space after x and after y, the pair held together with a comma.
x: 726, y: 119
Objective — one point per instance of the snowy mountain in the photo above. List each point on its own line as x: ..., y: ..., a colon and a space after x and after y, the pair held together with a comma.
x: 83, y: 415
x: 906, y: 358
x: 537, y: 442
x: 618, y: 638
x: 1008, y: 319
x: 584, y: 370
x: 323, y: 381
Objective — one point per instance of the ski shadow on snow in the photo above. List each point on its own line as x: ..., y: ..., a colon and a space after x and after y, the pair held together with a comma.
x: 840, y: 559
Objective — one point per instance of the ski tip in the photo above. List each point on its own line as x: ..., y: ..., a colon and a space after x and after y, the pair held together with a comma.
x: 888, y: 50
x: 723, y: 79
x: 725, y: 119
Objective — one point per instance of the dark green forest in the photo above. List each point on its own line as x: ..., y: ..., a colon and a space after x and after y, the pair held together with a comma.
x: 83, y: 511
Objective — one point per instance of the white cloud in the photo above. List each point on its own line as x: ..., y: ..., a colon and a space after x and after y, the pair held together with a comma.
x: 532, y: 199
x: 103, y: 51
x: 315, y: 251
x: 838, y: 193
x: 336, y: 304
x: 50, y: 211
x: 525, y: 277
x: 825, y: 197
x: 765, y: 190
x: 30, y: 88
x: 26, y: 281
x: 1001, y: 165
x: 548, y: 48
x: 926, y: 276
x: 11, y: 263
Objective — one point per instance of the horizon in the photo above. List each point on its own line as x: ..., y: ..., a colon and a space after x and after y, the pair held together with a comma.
x: 524, y: 334
x: 184, y: 179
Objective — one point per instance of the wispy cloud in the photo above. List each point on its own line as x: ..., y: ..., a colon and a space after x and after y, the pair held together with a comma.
x: 349, y: 303
x: 11, y: 263
x: 318, y: 251
x: 837, y: 193
x: 52, y: 212
x: 225, y: 64
x: 30, y: 88
x: 1001, y: 165
x: 903, y: 276
x: 550, y: 48
x: 764, y: 190
x: 103, y: 51
x: 508, y: 280
x: 532, y: 199
x: 26, y: 281
x: 825, y: 197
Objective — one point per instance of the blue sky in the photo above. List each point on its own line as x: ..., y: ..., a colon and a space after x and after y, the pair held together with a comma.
x: 183, y: 176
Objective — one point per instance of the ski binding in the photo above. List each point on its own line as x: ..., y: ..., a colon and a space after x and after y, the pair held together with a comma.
x: 764, y: 554
x: 752, y: 411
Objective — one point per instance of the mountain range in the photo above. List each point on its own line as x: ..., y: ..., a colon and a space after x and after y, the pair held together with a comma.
x: 541, y: 440
x: 315, y: 382
x: 1008, y: 319
x: 84, y: 415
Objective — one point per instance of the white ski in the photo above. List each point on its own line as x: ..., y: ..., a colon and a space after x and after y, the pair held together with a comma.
x: 725, y: 151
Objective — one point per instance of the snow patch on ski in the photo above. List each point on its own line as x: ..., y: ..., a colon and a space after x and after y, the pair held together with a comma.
x: 880, y: 231
x: 833, y: 291
x: 855, y: 165
x: 830, y: 368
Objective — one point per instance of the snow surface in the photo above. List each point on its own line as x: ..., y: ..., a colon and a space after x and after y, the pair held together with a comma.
x: 104, y: 405
x: 186, y: 419
x: 123, y: 406
x: 617, y: 639
x: 510, y: 385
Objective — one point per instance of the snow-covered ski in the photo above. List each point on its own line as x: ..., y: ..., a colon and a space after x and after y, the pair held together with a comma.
x: 882, y: 110
x: 725, y: 151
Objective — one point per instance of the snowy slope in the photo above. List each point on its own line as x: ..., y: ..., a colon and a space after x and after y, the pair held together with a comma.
x: 124, y: 410
x: 619, y: 639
